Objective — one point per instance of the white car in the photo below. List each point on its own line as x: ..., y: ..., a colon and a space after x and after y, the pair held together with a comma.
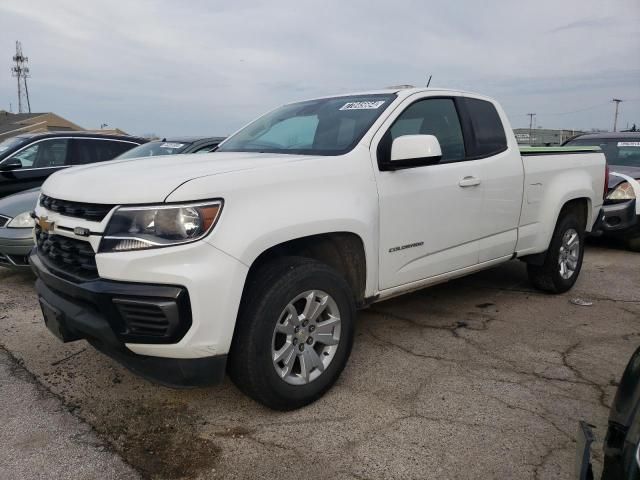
x: 254, y: 259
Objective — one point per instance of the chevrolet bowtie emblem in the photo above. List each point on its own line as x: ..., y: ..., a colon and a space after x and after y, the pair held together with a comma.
x: 45, y: 225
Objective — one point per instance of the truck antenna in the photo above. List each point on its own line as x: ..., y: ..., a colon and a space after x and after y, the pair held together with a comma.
x: 429, y: 81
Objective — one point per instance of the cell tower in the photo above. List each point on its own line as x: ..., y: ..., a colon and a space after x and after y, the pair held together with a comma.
x: 21, y: 72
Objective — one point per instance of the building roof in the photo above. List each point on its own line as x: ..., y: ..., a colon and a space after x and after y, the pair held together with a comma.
x: 13, y: 121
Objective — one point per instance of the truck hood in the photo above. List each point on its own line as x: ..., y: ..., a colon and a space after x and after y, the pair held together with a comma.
x: 150, y: 179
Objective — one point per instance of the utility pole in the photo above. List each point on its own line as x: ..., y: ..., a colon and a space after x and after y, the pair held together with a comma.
x: 21, y: 72
x: 615, y: 116
x: 531, y: 115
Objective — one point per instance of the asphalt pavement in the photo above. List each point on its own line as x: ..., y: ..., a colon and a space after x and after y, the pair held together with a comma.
x: 482, y: 377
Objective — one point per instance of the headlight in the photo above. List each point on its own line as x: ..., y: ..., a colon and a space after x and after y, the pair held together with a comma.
x: 23, y: 220
x: 624, y: 191
x: 137, y: 228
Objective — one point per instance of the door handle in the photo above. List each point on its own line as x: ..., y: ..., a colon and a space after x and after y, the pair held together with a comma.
x: 469, y: 182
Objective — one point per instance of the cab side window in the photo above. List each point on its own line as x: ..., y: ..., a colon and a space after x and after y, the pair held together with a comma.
x: 488, y: 132
x: 92, y: 151
x: 432, y: 116
x: 44, y: 154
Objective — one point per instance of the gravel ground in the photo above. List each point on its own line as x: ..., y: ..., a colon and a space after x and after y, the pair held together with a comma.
x: 478, y: 378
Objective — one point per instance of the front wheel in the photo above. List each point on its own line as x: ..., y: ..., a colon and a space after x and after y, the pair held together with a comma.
x: 294, y: 333
x: 563, y: 260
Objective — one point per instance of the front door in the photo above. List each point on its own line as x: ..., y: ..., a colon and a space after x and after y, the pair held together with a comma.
x: 39, y: 160
x: 429, y: 215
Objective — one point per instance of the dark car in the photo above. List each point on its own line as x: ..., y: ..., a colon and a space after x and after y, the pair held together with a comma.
x: 172, y: 146
x: 27, y: 160
x: 622, y: 441
x: 621, y: 206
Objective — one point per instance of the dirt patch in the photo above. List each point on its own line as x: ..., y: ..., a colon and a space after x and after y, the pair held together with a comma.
x: 159, y: 439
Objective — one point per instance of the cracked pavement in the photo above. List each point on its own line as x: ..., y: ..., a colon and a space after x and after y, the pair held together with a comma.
x: 481, y: 377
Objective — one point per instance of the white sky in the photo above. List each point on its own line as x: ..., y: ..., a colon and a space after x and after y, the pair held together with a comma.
x: 207, y: 67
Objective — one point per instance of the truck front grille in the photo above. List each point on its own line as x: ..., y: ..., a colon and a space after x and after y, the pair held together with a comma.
x: 93, y: 212
x: 68, y: 255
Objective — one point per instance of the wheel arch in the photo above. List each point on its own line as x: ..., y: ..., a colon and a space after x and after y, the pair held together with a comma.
x: 582, y: 206
x: 342, y: 251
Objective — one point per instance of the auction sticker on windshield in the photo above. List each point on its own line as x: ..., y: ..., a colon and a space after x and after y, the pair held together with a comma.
x: 172, y: 145
x: 629, y: 144
x: 362, y: 105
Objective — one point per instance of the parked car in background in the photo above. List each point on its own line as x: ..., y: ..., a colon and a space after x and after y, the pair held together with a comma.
x: 622, y: 441
x: 16, y: 228
x: 172, y: 146
x: 16, y: 239
x: 27, y: 160
x: 260, y: 252
x: 622, y: 203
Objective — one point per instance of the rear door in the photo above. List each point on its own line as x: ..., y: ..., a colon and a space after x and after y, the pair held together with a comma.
x: 430, y: 215
x: 39, y: 160
x: 502, y: 176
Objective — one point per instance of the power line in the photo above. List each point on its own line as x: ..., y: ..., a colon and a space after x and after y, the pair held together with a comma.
x: 567, y: 113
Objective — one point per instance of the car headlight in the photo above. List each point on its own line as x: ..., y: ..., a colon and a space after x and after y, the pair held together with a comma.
x: 624, y: 191
x: 155, y: 226
x: 23, y: 220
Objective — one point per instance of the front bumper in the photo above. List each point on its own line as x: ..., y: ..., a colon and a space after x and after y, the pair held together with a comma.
x: 105, y: 313
x: 619, y: 219
x: 15, y: 245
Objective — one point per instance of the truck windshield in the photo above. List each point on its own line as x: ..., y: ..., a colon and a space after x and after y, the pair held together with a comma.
x: 618, y: 151
x: 153, y: 149
x: 328, y: 126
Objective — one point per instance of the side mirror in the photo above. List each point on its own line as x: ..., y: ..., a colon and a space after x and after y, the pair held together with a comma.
x: 11, y: 164
x: 415, y: 150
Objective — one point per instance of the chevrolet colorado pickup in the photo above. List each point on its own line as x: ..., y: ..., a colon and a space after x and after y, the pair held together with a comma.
x: 253, y: 260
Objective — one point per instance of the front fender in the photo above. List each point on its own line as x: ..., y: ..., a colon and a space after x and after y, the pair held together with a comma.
x: 267, y: 207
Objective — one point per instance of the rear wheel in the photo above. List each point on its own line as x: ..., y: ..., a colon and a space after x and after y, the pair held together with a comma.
x: 563, y: 260
x: 294, y: 333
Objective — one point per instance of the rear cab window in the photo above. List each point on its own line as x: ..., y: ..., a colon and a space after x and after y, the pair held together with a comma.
x: 487, y: 136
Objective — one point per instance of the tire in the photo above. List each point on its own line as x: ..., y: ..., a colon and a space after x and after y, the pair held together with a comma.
x: 267, y: 303
x: 548, y: 277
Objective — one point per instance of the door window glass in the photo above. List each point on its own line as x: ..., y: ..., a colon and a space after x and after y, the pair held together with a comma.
x: 44, y: 154
x: 27, y: 156
x: 435, y: 116
x: 487, y: 128
x: 92, y: 151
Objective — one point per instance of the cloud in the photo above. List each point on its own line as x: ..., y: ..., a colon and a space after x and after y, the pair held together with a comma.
x: 206, y: 67
x: 589, y: 23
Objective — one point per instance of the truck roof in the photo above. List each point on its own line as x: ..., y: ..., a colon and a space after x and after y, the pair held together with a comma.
x: 403, y: 90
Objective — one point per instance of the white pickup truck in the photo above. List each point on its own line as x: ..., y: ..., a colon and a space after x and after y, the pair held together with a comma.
x: 253, y: 260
